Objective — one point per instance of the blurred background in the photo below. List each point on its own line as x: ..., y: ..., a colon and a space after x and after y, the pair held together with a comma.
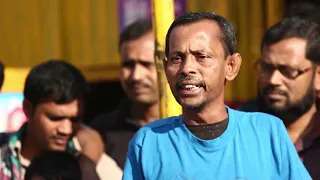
x: 85, y: 33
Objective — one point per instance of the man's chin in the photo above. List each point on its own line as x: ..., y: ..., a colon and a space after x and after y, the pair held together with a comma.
x: 144, y: 100
x: 277, y: 105
x: 191, y: 104
x: 278, y: 110
x: 272, y: 107
x: 56, y: 147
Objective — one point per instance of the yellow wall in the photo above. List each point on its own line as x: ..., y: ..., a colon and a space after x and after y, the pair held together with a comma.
x: 14, y: 79
x: 85, y: 32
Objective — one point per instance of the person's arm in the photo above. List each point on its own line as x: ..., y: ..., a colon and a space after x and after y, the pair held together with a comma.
x: 88, y: 168
x: 108, y: 169
x: 91, y: 144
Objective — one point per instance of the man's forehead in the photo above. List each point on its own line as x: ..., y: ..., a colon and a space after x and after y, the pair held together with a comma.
x: 198, y: 34
x: 206, y: 26
x: 197, y: 42
x: 147, y: 38
x: 56, y: 106
x: 137, y: 60
x: 142, y: 48
x: 289, y: 51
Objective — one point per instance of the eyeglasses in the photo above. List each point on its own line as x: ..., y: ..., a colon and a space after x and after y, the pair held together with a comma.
x: 286, y: 71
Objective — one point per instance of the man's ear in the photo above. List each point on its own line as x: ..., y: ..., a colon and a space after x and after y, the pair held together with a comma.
x: 27, y: 108
x: 165, y: 61
x: 232, y: 66
x: 317, y: 80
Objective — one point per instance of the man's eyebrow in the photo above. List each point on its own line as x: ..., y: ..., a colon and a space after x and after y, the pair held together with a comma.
x: 287, y: 66
x: 145, y: 62
x: 55, y: 117
x: 128, y: 62
x: 127, y: 59
x: 197, y: 51
x: 176, y: 52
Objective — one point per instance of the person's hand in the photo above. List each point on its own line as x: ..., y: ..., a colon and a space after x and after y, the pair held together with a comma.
x: 91, y: 143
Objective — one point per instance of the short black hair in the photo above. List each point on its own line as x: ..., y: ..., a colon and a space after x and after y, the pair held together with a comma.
x: 1, y: 74
x: 54, y: 80
x: 307, y: 9
x: 294, y: 27
x: 135, y: 30
x: 313, y: 51
x: 228, y: 35
x: 54, y: 165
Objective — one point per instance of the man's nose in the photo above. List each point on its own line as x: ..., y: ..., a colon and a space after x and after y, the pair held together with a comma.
x: 275, y: 77
x: 65, y: 127
x: 137, y: 72
x: 188, y: 65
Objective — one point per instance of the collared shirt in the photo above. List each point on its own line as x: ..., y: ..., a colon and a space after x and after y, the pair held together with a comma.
x: 12, y: 164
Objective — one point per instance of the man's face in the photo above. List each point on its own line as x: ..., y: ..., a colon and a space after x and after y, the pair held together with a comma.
x: 51, y: 125
x: 195, y: 67
x: 138, y: 73
x: 286, y: 78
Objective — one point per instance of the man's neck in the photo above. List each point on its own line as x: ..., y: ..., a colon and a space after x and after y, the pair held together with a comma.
x: 143, y: 114
x: 302, y: 125
x: 207, y: 115
x: 28, y: 148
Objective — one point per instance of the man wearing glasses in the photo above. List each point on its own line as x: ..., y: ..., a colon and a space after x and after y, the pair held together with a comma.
x: 287, y: 78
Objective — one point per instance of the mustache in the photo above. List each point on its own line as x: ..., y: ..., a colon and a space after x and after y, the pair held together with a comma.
x: 138, y: 83
x: 272, y: 89
x: 189, y: 79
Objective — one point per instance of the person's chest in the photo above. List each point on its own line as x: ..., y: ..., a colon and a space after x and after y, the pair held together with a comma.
x: 178, y: 158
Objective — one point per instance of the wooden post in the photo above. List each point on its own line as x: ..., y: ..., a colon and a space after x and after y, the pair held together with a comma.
x: 163, y: 16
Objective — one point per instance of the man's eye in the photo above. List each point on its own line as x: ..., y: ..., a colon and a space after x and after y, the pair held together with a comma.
x: 175, y: 59
x: 148, y: 64
x: 288, y: 72
x: 202, y: 56
x: 128, y: 64
x: 55, y: 118
x: 266, y: 67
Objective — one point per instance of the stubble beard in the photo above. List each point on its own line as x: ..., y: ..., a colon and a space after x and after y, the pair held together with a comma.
x: 289, y: 112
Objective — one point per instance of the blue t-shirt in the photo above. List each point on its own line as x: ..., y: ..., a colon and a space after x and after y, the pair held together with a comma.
x: 254, y: 146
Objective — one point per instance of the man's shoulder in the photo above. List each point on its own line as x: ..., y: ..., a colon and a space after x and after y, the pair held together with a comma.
x: 259, y: 127
x: 4, y: 138
x: 161, y: 126
x: 257, y: 119
x: 162, y: 123
x: 252, y: 114
x: 5, y: 149
x: 110, y: 120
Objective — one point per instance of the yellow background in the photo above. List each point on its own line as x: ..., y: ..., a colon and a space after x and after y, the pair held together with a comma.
x: 85, y: 32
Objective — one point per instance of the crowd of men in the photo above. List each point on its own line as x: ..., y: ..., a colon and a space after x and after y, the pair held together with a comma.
x: 278, y: 137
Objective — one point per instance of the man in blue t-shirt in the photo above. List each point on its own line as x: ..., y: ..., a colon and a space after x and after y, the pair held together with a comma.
x: 209, y: 140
